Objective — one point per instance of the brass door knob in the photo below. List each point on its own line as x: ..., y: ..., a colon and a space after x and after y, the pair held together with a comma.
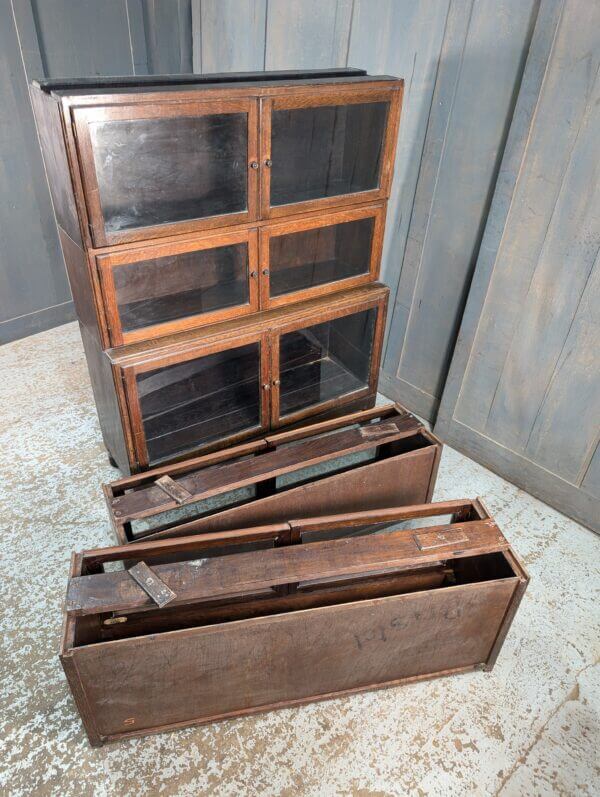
x: 277, y: 381
x: 254, y: 164
x: 268, y: 162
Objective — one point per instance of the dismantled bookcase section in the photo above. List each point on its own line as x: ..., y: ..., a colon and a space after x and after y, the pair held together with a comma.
x: 421, y: 591
x: 367, y: 460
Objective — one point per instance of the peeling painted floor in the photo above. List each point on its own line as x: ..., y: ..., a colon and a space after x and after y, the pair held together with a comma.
x: 531, y: 727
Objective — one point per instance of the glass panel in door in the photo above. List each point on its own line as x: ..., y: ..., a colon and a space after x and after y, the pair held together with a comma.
x: 170, y: 169
x: 162, y: 289
x: 309, y: 258
x: 326, y: 151
x: 325, y: 361
x: 191, y: 404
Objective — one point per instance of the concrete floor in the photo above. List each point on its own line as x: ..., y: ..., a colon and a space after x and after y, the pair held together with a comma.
x: 531, y: 727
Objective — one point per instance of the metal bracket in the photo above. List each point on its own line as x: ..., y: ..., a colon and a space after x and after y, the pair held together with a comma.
x: 173, y: 490
x: 152, y: 585
x: 439, y: 539
x: 372, y: 432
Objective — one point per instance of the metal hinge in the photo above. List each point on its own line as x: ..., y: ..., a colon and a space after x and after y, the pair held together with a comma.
x: 152, y: 585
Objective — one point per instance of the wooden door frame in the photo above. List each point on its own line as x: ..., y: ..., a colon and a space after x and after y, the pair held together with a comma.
x: 83, y: 116
x: 107, y: 263
x: 380, y: 305
x: 293, y: 99
x: 287, y: 227
x: 126, y: 375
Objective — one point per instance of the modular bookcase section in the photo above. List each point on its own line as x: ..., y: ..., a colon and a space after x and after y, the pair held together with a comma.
x: 309, y: 613
x: 367, y: 460
x: 202, y: 390
x: 184, y: 202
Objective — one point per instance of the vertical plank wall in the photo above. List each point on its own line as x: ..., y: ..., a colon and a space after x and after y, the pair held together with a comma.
x: 478, y: 76
x: 420, y: 41
x: 33, y: 288
x: 523, y: 394
x: 62, y: 38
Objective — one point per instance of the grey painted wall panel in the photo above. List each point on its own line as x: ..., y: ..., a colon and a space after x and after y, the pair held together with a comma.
x: 137, y: 36
x: 307, y: 34
x: 564, y: 433
x: 168, y: 32
x: 62, y: 38
x: 32, y: 274
x: 479, y: 72
x: 481, y: 105
x: 591, y: 479
x: 559, y: 113
x: 446, y: 78
x: 408, y: 45
x: 232, y: 35
x: 518, y: 137
x: 83, y: 38
x: 523, y: 394
x: 550, y: 304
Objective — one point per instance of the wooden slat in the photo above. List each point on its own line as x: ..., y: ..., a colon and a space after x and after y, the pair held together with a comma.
x: 382, y: 515
x: 383, y: 411
x: 169, y: 346
x: 195, y: 543
x: 129, y: 482
x: 229, y: 476
x: 241, y: 573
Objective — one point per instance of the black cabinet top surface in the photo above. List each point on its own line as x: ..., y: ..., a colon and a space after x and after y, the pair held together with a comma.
x: 136, y: 83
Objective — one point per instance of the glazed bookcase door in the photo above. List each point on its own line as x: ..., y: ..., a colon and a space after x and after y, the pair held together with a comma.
x: 319, y: 255
x: 326, y: 149
x: 153, y: 170
x: 198, y: 399
x: 156, y: 290
x: 318, y: 365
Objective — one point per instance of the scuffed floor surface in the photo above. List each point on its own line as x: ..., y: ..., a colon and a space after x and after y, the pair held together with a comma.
x: 531, y: 727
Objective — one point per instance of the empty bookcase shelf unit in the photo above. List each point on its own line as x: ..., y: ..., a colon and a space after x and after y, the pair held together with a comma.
x: 311, y: 609
x: 370, y: 459
x: 222, y: 236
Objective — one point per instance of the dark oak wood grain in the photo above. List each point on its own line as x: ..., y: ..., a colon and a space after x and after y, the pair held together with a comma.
x: 307, y: 620
x: 369, y: 459
x: 164, y: 190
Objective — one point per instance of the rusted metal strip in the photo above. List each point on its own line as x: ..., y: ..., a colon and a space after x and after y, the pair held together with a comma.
x: 439, y: 539
x: 175, y: 491
x: 152, y: 584
x: 372, y: 432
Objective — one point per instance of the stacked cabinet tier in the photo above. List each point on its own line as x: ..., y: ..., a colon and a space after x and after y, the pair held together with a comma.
x: 228, y: 230
x: 235, y: 379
